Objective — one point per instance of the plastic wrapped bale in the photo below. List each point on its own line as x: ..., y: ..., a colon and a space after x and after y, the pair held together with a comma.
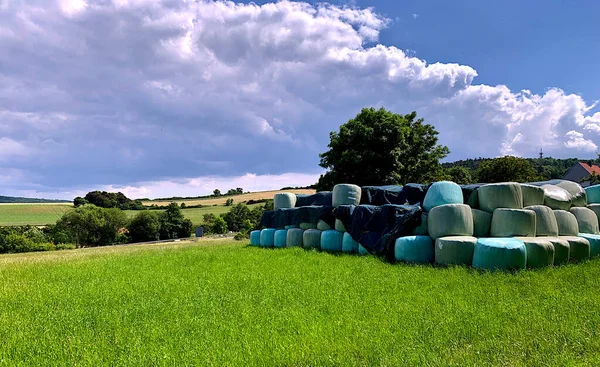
x: 306, y: 225
x: 455, y: 250
x: 594, y: 241
x: 421, y: 230
x: 348, y: 244
x: 450, y: 220
x: 500, y: 195
x: 280, y: 238
x: 414, y: 249
x: 532, y: 195
x: 567, y: 223
x: 255, y: 238
x: 339, y: 226
x: 540, y: 252
x: 291, y: 226
x: 578, y: 196
x: 595, y: 208
x: 499, y: 254
x: 284, y: 200
x: 441, y: 193
x: 267, y: 237
x: 579, y: 248
x: 593, y: 194
x: 322, y: 225
x: 311, y: 238
x: 470, y: 195
x: 481, y: 223
x: 587, y: 220
x: 331, y: 241
x: 556, y: 197
x: 294, y: 237
x: 362, y: 251
x: 545, y: 221
x: 346, y: 194
x: 513, y: 223
x: 562, y: 249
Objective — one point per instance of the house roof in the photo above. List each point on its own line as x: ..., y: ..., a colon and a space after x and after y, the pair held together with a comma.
x: 591, y: 169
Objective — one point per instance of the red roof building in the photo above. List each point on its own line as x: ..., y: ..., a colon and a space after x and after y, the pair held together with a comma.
x: 580, y: 171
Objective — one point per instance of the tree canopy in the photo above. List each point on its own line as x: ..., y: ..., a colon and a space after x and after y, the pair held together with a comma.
x: 505, y: 169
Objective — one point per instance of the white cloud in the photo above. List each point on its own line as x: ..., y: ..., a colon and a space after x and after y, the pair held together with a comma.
x: 577, y: 141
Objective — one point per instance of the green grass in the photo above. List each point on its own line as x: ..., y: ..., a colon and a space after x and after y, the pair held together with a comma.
x: 227, y: 304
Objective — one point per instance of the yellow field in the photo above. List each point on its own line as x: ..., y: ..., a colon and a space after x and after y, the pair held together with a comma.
x: 236, y: 198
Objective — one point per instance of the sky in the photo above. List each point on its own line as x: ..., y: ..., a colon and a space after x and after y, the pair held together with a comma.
x: 177, y: 98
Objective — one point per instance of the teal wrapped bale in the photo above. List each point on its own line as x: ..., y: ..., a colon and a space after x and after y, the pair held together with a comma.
x: 311, y: 238
x: 556, y: 197
x: 513, y: 223
x: 267, y: 237
x: 306, y: 225
x: 594, y: 241
x: 532, y: 195
x: 441, y: 193
x: 540, y: 253
x: 579, y: 248
x: 545, y: 221
x: 331, y: 241
x: 280, y: 238
x: 482, y: 222
x: 284, y: 200
x: 500, y: 195
x: 362, y: 251
x: 578, y: 196
x: 339, y: 226
x: 348, y: 244
x: 294, y: 237
x: 323, y: 226
x: 292, y: 226
x: 586, y: 219
x: 421, y: 230
x: 567, y: 223
x: 595, y: 208
x: 562, y: 249
x: 414, y: 249
x: 255, y: 238
x: 499, y: 254
x: 455, y: 250
x: 473, y: 200
x: 346, y: 194
x: 593, y: 194
x: 450, y: 220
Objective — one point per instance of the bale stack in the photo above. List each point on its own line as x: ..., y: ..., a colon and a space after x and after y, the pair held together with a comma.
x: 345, y: 194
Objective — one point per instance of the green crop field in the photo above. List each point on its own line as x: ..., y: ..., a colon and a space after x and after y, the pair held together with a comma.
x: 225, y: 304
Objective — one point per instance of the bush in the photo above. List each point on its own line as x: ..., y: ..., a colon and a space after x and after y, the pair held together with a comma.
x: 173, y: 224
x: 143, y: 227
x: 90, y: 225
x: 15, y: 242
x: 229, y: 202
x: 218, y: 226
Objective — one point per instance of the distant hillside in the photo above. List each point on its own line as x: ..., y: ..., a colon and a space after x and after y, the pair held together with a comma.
x: 18, y: 200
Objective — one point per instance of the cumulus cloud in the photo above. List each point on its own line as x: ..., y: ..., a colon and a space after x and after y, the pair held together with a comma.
x: 119, y: 93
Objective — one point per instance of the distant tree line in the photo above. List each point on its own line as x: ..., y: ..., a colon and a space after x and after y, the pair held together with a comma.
x: 103, y: 199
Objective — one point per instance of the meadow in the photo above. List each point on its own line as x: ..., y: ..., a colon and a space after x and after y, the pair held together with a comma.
x: 224, y: 303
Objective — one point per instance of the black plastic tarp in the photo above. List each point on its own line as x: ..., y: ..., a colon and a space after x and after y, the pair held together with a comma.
x: 323, y: 198
x: 391, y: 194
x: 294, y: 216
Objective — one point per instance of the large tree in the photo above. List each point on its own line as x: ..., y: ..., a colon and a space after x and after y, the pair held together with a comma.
x: 379, y: 147
x: 505, y: 169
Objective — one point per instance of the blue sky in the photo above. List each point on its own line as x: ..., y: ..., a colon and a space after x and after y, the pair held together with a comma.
x: 163, y: 98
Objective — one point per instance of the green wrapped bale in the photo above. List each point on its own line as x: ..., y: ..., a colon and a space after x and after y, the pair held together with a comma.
x: 500, y: 195
x: 306, y: 225
x: 473, y: 200
x: 267, y: 237
x: 331, y: 241
x: 294, y: 237
x: 421, y: 230
x: 450, y: 220
x: 567, y: 223
x: 346, y: 194
x: 586, y: 219
x: 414, y: 249
x: 513, y: 223
x: 291, y: 226
x: 595, y: 208
x: 348, y: 244
x: 579, y: 248
x: 442, y: 193
x: 255, y: 238
x: 562, y: 249
x: 280, y: 238
x: 362, y: 251
x: 323, y: 226
x: 556, y: 197
x: 540, y: 252
x: 455, y: 250
x: 481, y: 223
x: 578, y: 196
x: 311, y: 238
x: 594, y: 241
x: 499, y: 254
x: 532, y: 195
x: 545, y: 221
x: 593, y: 194
x: 284, y: 200
x: 339, y: 226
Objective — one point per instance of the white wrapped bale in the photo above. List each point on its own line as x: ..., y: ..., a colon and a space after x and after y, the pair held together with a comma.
x: 267, y: 237
x: 414, y: 249
x: 594, y: 241
x: 339, y: 226
x: 578, y: 196
x: 499, y: 254
x: 545, y: 221
x: 500, y: 195
x: 284, y: 200
x: 556, y: 197
x: 567, y: 223
x: 450, y: 220
x: 540, y: 252
x: 255, y: 238
x: 562, y: 249
x: 306, y: 225
x: 593, y: 194
x: 512, y: 223
x: 532, y: 195
x: 311, y: 238
x: 441, y: 193
x: 579, y: 248
x: 454, y: 250
x: 280, y: 238
x: 294, y: 237
x: 346, y: 194
x: 348, y: 244
x: 481, y: 223
x: 331, y: 241
x: 587, y: 220
x: 421, y: 230
x: 323, y: 226
x: 595, y: 208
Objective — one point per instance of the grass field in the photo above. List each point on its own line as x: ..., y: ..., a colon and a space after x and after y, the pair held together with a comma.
x: 261, y: 195
x: 222, y: 303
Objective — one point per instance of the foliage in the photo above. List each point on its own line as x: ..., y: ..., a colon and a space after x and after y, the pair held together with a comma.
x: 173, y: 224
x: 460, y: 175
x: 241, y: 218
x: 217, y: 192
x: 105, y: 199
x: 79, y: 201
x: 236, y: 191
x: 89, y: 225
x: 228, y: 202
x: 24, y: 239
x: 593, y: 179
x: 218, y: 226
x: 379, y: 147
x: 506, y: 169
x: 145, y: 226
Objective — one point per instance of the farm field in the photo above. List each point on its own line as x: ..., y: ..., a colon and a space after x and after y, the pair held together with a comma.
x: 261, y: 195
x: 224, y: 303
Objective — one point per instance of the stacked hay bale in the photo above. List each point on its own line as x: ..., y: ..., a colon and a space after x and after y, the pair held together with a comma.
x: 568, y: 230
x: 345, y: 194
